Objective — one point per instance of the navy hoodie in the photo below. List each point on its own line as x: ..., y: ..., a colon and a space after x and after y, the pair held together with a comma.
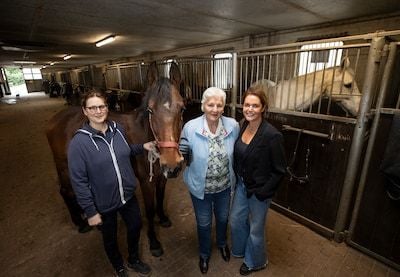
x: 100, y: 168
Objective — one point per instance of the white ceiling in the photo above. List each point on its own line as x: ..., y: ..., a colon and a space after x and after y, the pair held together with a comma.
x: 45, y: 30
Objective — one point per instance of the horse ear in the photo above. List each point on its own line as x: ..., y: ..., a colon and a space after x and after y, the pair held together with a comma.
x: 344, y: 63
x: 152, y: 74
x: 175, y: 74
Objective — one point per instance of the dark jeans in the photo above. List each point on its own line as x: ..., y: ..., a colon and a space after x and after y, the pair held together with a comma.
x: 130, y: 214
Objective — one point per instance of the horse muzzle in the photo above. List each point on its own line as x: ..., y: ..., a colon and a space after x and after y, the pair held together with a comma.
x: 171, y: 172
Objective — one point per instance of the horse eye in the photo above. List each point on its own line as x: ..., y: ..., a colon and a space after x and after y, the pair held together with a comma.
x: 348, y: 85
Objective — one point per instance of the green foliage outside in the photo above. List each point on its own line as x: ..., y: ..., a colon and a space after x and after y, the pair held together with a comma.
x: 14, y: 76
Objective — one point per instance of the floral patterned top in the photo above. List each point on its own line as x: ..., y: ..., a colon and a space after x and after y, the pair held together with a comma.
x: 217, y: 176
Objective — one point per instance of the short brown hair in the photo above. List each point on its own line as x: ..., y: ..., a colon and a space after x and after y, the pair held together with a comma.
x: 258, y: 91
x: 93, y: 93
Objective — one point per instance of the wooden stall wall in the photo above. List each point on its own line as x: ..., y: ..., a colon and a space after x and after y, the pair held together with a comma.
x: 330, y: 148
x: 312, y: 193
x: 375, y: 222
x: 377, y: 229
x: 33, y: 85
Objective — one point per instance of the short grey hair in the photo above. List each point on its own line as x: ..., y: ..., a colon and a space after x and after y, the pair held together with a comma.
x: 212, y: 92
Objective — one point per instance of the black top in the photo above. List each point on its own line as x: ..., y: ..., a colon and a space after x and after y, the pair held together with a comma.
x: 263, y: 163
x: 240, y: 150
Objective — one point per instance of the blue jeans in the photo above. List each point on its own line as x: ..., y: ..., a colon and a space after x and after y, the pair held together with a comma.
x: 248, y: 216
x: 203, y: 209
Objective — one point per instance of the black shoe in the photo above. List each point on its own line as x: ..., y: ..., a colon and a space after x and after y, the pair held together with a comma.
x: 203, y: 264
x: 225, y: 253
x: 139, y: 267
x: 244, y: 270
x: 121, y: 273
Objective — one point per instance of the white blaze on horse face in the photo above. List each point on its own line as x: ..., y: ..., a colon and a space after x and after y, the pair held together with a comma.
x: 170, y: 157
x: 167, y: 105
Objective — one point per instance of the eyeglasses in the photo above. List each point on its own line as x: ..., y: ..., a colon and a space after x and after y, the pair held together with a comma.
x: 93, y: 109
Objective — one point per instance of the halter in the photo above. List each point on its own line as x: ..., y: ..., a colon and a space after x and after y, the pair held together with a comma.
x: 160, y: 144
x: 153, y: 155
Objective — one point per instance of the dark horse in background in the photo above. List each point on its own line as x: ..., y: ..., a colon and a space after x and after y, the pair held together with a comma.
x: 158, y: 118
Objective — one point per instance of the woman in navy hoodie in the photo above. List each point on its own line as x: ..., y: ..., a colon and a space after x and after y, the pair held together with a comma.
x: 104, y: 182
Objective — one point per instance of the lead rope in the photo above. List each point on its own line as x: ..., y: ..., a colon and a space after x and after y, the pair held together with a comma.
x: 152, y: 156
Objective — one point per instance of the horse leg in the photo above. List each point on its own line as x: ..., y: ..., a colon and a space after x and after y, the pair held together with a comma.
x: 75, y: 211
x: 148, y: 197
x: 160, y: 193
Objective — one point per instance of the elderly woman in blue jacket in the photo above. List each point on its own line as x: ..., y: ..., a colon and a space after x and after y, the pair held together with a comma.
x: 209, y: 176
x: 104, y: 182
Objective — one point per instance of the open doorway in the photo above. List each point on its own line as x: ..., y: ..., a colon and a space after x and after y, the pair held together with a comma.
x: 16, y: 81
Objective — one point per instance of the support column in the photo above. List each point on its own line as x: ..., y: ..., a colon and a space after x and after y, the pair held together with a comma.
x: 371, y: 74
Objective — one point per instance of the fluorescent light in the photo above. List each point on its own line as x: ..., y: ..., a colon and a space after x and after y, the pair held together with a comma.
x: 104, y: 41
x: 66, y: 57
x: 24, y: 62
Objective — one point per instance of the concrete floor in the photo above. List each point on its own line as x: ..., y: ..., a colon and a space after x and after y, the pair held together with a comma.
x: 38, y: 239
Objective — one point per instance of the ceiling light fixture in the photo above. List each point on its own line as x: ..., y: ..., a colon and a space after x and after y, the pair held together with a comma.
x: 24, y: 62
x: 104, y: 41
x: 68, y: 56
x: 52, y: 63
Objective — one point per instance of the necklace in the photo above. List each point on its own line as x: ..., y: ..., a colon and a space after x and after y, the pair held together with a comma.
x: 253, y: 128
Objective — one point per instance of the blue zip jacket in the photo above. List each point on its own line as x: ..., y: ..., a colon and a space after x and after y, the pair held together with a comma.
x: 100, y: 168
x: 193, y: 137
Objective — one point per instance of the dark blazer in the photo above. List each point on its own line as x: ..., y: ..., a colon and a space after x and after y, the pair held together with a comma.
x: 264, y: 163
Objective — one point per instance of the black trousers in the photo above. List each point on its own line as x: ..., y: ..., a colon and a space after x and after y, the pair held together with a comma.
x: 130, y: 213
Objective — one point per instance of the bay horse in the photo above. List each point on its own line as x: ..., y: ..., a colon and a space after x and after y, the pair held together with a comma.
x: 301, y: 92
x: 158, y: 118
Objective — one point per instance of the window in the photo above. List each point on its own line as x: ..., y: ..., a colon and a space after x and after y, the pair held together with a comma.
x: 32, y: 73
x: 222, y: 69
x: 315, y: 59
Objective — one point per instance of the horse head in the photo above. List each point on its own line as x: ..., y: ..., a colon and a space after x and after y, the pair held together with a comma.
x: 340, y: 83
x: 164, y: 106
x: 301, y: 92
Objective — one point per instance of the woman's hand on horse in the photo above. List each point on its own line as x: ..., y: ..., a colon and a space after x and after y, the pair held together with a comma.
x: 150, y: 146
x: 95, y: 220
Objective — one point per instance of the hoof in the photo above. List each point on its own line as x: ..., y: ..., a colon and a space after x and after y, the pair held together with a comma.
x: 165, y: 222
x: 155, y: 248
x: 157, y: 252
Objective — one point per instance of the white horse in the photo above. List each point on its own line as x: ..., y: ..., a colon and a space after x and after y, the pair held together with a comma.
x: 301, y: 92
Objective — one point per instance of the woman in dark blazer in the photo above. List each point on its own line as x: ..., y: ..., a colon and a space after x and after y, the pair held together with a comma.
x: 260, y: 164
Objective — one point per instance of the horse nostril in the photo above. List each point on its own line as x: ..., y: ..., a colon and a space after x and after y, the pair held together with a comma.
x: 171, y: 172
